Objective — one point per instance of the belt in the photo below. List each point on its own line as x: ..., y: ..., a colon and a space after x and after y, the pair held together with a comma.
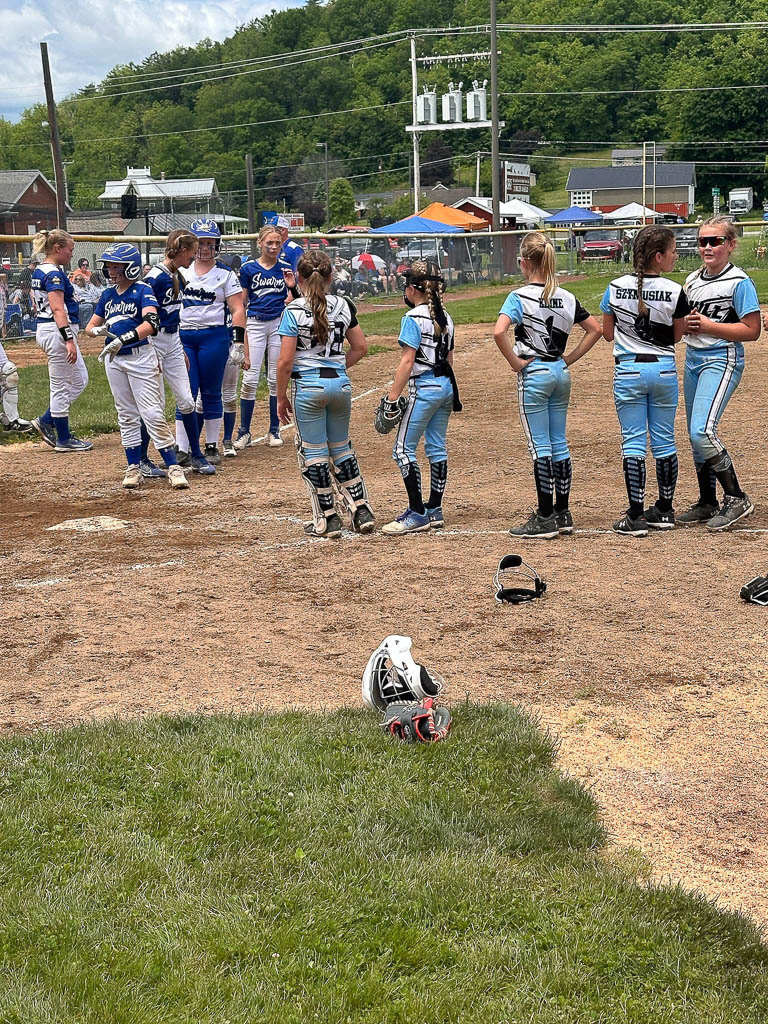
x: 126, y: 351
x: 641, y: 357
x: 549, y: 359
x: 263, y: 319
x: 321, y: 371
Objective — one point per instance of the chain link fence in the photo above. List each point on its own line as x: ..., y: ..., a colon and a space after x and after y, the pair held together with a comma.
x: 368, y: 266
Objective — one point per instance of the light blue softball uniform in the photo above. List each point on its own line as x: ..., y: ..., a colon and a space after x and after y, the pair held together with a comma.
x: 645, y: 376
x: 713, y: 366
x: 544, y: 385
x: 430, y: 390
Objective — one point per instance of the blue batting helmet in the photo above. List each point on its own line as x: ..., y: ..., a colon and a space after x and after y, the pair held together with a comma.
x: 123, y: 252
x: 204, y: 227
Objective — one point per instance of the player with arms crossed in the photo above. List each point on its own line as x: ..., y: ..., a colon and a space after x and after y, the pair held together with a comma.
x: 724, y: 315
x: 128, y: 310
x: 57, y: 325
x: 167, y: 284
x: 313, y: 329
x: 644, y: 317
x: 426, y: 366
x: 211, y: 292
x: 543, y: 315
x: 265, y: 282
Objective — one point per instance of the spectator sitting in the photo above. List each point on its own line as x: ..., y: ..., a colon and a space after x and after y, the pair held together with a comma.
x: 83, y: 270
x: 97, y: 285
x: 83, y: 295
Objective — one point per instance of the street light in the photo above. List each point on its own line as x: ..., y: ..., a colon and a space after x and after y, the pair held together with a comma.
x: 324, y: 145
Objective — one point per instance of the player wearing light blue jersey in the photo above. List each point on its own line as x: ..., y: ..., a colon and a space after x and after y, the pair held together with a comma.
x: 57, y: 325
x: 543, y: 315
x: 426, y: 366
x: 312, y: 358
x: 725, y: 314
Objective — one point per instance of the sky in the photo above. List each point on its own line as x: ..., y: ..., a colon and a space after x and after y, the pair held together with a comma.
x: 88, y: 37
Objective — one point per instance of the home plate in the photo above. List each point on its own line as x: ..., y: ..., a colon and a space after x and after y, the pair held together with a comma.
x: 94, y: 524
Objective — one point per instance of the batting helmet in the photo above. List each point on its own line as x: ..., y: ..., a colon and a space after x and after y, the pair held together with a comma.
x: 204, y: 227
x: 125, y: 253
x: 392, y: 675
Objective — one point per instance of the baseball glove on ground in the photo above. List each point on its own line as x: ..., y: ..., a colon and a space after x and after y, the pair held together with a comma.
x: 388, y: 414
x: 418, y: 723
x: 756, y: 591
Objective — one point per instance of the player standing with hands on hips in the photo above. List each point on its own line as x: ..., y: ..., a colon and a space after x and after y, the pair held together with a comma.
x: 644, y: 317
x: 212, y: 290
x: 128, y: 310
x: 313, y: 329
x: 543, y: 315
x: 57, y: 325
x: 724, y: 315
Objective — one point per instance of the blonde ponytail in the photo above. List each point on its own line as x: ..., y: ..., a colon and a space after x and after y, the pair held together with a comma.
x: 538, y: 249
x: 45, y: 241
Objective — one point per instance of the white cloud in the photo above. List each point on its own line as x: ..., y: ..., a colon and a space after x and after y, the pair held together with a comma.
x: 86, y: 38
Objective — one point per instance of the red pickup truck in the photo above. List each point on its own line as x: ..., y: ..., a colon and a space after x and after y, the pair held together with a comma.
x: 604, y: 244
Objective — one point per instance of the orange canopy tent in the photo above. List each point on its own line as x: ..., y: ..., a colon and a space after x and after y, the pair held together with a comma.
x: 448, y: 215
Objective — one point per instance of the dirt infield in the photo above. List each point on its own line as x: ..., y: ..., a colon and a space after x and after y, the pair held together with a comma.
x: 641, y: 657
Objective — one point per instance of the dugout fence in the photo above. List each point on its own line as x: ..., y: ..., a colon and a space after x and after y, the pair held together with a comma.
x: 468, y: 259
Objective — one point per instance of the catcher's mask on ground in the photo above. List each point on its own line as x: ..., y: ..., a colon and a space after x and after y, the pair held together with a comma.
x: 517, y: 595
x: 392, y: 675
x: 756, y: 591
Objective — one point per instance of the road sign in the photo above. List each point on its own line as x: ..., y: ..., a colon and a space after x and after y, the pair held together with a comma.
x: 715, y: 191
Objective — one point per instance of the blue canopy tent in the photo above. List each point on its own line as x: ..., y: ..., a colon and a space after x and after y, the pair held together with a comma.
x: 422, y: 247
x: 418, y: 226
x: 573, y: 215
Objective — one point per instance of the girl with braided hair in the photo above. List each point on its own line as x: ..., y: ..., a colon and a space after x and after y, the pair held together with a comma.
x: 644, y: 317
x: 312, y: 330
x: 426, y: 366
x: 543, y: 315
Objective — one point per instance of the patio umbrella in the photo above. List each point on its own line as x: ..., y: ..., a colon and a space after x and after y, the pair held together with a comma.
x: 367, y: 261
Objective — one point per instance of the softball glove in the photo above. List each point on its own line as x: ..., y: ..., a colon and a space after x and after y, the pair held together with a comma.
x: 388, y: 414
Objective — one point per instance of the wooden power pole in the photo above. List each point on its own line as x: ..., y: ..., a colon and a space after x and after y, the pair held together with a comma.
x: 58, y: 165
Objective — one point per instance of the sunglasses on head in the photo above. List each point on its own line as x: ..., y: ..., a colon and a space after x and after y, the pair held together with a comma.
x: 713, y: 240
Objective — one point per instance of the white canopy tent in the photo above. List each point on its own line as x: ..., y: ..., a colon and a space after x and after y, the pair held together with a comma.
x: 631, y: 214
x: 525, y: 213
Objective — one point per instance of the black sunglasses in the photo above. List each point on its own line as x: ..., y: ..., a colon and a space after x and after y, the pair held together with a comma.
x: 713, y: 240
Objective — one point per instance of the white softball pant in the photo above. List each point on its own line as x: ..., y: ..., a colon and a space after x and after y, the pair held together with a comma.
x: 9, y: 389
x: 67, y: 380
x: 137, y: 387
x: 229, y: 386
x: 263, y: 339
x: 171, y: 355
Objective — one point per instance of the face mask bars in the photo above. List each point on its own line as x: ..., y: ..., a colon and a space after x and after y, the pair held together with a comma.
x: 517, y: 595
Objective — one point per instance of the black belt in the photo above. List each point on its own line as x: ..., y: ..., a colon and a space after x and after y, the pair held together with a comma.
x: 549, y: 359
x: 263, y: 319
x: 321, y: 371
x: 641, y: 357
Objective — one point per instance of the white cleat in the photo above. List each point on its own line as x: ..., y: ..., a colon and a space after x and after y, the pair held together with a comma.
x: 275, y: 441
x: 242, y: 442
x: 177, y: 479
x: 132, y: 478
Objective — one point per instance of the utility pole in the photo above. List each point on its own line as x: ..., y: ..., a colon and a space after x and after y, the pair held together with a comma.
x: 416, y: 169
x: 477, y: 174
x: 494, y: 121
x: 58, y: 166
x: 251, y: 202
x: 324, y: 145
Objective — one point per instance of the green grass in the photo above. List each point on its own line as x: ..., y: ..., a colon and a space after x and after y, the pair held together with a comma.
x: 296, y: 867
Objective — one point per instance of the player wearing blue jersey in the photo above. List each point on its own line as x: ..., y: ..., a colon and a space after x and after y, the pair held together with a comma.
x: 127, y: 311
x: 265, y: 282
x: 57, y: 324
x: 212, y: 292
x: 725, y: 314
x: 167, y: 284
x: 543, y: 315
x: 291, y: 251
x: 426, y: 366
x: 312, y: 358
x: 644, y: 317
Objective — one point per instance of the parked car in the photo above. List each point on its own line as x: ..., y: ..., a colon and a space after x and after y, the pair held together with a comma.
x: 423, y: 249
x: 605, y: 244
x: 687, y: 241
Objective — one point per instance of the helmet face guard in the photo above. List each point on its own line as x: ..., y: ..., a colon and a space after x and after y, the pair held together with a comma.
x: 392, y: 676
x: 125, y: 255
x: 517, y: 595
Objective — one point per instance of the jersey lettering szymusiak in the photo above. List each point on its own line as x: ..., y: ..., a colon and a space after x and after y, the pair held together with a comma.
x: 298, y: 322
x: 542, y: 328
x: 266, y: 289
x: 123, y: 311
x: 49, y: 277
x: 726, y: 298
x: 417, y: 331
x: 204, y: 304
x: 160, y: 281
x: 653, y: 333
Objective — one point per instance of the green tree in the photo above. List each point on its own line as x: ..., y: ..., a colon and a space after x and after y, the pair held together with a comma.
x: 341, y: 202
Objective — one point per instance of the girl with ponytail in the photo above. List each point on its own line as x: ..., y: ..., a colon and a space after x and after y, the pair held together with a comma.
x: 312, y: 359
x: 644, y: 317
x: 543, y: 315
x: 426, y: 366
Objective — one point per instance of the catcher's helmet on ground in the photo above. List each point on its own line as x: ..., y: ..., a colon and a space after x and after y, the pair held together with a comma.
x: 125, y: 253
x: 204, y: 227
x: 392, y: 675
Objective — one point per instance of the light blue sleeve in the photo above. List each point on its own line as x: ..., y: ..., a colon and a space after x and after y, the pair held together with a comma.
x: 410, y: 334
x: 745, y: 298
x: 605, y: 302
x: 288, y: 326
x: 513, y: 308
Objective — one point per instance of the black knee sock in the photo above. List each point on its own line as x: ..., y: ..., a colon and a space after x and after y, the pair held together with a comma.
x: 563, y: 471
x: 634, y: 478
x: 412, y: 480
x: 438, y: 476
x: 707, y: 483
x: 666, y: 478
x: 722, y: 467
x: 543, y: 474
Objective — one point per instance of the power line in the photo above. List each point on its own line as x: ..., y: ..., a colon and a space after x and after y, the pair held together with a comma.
x: 636, y: 92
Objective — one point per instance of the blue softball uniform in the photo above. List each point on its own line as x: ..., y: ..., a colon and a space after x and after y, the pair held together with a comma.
x: 160, y: 280
x: 430, y: 389
x: 713, y: 366
x: 291, y: 253
x: 49, y: 277
x: 267, y: 290
x: 123, y: 311
x: 544, y: 385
